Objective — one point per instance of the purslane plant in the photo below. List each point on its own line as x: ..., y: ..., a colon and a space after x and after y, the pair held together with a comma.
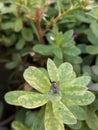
x: 63, y: 93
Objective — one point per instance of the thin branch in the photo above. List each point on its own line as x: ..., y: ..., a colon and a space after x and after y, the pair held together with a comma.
x: 9, y: 119
x: 38, y: 25
x: 60, y: 16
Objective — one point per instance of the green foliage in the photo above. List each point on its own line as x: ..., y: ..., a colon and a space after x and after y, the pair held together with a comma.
x: 92, y: 119
x: 61, y: 46
x: 62, y: 32
x: 92, y: 49
x: 19, y: 126
x: 70, y: 90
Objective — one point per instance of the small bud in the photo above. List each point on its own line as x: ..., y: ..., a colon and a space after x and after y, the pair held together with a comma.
x: 87, y: 2
x: 52, y: 38
x: 88, y: 8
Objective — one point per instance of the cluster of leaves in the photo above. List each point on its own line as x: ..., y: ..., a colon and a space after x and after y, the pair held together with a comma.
x: 62, y: 104
x: 65, y: 31
x: 61, y: 47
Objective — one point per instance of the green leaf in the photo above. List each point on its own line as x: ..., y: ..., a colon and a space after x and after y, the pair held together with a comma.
x: 51, y: 123
x: 84, y: 127
x: 73, y: 59
x: 52, y: 70
x: 7, y: 40
x: 29, y: 116
x: 66, y: 38
x: 87, y: 71
x: 44, y: 49
x: 91, y: 36
x: 33, y: 100
x: 44, y: 71
x: 66, y: 73
x: 92, y: 119
x: 67, y: 42
x: 76, y: 126
x: 68, y: 35
x: 60, y: 7
x: 20, y: 44
x: 92, y: 49
x: 37, y: 79
x: 16, y: 60
x: 19, y: 126
x: 94, y: 26
x: 9, y: 9
x: 58, y: 38
x: 78, y: 112
x: 27, y: 34
x: 96, y: 62
x: 83, y: 17
x: 82, y: 47
x: 71, y: 50
x: 82, y: 81
x: 38, y: 123
x: 87, y: 60
x: 57, y: 61
x: 68, y: 82
x: 82, y: 98
x: 25, y: 51
x: 95, y: 69
x: 7, y: 25
x: 68, y: 89
x: 11, y: 65
x: 77, y: 69
x: 95, y: 104
x: 58, y: 52
x: 21, y: 115
x: 18, y: 25
x: 63, y: 114
x: 12, y: 97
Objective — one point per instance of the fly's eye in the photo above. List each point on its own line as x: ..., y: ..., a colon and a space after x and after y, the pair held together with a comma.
x: 54, y: 87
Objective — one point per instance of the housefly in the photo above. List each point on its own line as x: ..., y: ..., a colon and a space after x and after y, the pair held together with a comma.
x: 54, y: 87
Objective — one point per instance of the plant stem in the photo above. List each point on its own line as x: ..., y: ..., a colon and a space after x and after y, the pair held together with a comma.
x: 38, y: 25
x: 9, y: 119
x: 71, y: 4
x: 60, y: 16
